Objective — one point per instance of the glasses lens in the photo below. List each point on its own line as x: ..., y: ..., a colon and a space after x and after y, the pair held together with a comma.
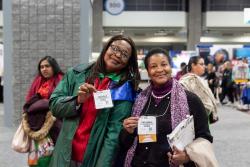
x: 123, y: 53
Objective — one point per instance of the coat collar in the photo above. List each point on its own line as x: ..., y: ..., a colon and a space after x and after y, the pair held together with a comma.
x: 82, y: 67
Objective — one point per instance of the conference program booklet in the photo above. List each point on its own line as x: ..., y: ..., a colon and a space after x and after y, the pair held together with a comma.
x: 183, y: 134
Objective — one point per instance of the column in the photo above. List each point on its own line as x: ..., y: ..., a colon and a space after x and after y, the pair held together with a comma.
x: 85, y: 31
x: 194, y: 24
x: 8, y: 69
x: 97, y: 28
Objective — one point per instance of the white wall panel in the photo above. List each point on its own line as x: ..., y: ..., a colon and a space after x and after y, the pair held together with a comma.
x: 225, y: 19
x: 145, y: 19
x: 234, y: 40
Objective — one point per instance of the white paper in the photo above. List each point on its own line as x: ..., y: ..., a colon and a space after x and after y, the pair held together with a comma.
x: 103, y: 99
x: 183, y: 134
x: 147, y: 125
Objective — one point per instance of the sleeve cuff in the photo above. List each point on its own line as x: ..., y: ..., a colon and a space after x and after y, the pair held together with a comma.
x: 77, y: 107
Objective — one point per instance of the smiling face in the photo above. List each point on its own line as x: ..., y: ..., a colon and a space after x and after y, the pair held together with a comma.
x: 117, y: 56
x: 159, y: 69
x: 46, y: 69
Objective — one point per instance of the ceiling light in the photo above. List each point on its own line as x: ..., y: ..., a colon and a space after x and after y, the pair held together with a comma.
x: 161, y: 33
x: 116, y: 32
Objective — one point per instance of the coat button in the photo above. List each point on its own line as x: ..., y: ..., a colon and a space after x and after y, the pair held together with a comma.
x: 146, y: 148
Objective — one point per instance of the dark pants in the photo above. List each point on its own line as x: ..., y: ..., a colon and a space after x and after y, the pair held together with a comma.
x: 213, y: 89
x: 229, y: 92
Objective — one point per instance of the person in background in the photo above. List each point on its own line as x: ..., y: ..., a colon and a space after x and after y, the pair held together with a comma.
x: 89, y: 134
x: 182, y: 72
x: 211, y: 78
x: 220, y: 57
x: 240, y: 75
x: 167, y: 101
x: 38, y: 121
x: 194, y: 83
x: 227, y: 84
x: 49, y: 75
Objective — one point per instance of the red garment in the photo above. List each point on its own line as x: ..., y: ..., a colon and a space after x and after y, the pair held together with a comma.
x: 87, y: 119
x: 49, y: 86
x: 44, y: 89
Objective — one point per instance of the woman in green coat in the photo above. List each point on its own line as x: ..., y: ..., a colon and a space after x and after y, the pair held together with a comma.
x: 93, y: 100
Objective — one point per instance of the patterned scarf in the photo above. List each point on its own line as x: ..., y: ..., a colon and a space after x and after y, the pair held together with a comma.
x: 160, y: 91
x: 179, y: 110
x: 39, y: 81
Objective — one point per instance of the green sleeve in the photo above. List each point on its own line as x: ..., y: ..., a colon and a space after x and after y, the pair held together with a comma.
x: 62, y: 101
x: 121, y: 111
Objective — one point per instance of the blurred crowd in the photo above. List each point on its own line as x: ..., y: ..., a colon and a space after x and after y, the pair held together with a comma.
x: 228, y: 81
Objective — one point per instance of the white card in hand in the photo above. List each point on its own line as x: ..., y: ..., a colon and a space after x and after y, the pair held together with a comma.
x: 147, y: 129
x: 103, y: 99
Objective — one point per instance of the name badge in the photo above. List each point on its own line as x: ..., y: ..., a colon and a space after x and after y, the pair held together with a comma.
x: 147, y: 129
x: 103, y: 99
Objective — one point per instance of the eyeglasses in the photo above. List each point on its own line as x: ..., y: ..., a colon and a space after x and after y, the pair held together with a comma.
x: 115, y: 49
x: 202, y: 64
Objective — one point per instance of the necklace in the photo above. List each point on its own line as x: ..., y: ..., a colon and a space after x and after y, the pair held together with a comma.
x: 157, y: 115
x: 160, y: 97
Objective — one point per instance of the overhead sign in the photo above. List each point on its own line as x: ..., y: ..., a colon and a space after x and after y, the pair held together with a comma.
x: 247, y: 15
x: 114, y: 7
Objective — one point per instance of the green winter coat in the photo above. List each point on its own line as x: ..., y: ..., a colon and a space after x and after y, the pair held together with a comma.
x: 103, y: 141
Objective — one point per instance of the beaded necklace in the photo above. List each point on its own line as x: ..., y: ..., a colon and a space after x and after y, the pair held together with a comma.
x: 160, y: 97
x: 160, y: 114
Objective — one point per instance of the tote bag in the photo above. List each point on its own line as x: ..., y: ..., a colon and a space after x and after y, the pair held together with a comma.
x: 21, y: 141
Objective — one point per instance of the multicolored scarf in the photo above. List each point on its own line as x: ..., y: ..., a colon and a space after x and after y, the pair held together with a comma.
x: 49, y: 84
x: 179, y: 110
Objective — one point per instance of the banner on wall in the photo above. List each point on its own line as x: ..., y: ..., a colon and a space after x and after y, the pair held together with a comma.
x: 242, y: 53
x: 204, y: 52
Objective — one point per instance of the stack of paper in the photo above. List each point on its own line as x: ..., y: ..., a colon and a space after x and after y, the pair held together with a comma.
x: 183, y: 134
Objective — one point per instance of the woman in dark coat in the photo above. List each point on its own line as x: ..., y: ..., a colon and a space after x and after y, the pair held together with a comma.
x: 167, y: 101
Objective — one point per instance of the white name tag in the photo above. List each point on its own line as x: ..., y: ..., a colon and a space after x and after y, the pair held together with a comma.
x: 147, y: 129
x: 103, y: 99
